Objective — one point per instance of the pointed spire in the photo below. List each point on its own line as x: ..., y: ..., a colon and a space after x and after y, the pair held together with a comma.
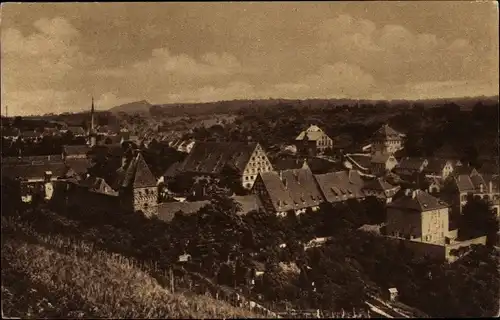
x: 92, y: 115
x: 92, y: 138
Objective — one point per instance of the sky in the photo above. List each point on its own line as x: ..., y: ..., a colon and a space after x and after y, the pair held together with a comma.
x: 56, y: 56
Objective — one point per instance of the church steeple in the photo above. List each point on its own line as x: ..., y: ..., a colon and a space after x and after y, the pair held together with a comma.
x: 92, y: 116
x: 92, y: 135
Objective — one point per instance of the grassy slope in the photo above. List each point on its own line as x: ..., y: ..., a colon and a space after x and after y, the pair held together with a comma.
x: 44, y: 277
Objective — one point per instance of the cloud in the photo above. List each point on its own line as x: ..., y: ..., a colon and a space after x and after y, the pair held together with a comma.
x: 394, y: 53
x: 40, y: 65
x: 164, y: 65
x: 232, y: 91
x: 338, y: 80
x: 32, y: 102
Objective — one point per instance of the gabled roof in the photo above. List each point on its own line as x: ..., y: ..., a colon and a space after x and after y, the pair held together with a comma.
x: 76, y: 149
x: 135, y: 175
x: 409, y: 163
x: 30, y: 171
x: 387, y: 132
x: 211, y: 157
x: 340, y: 186
x: 436, y: 165
x: 464, y: 170
x: 422, y: 201
x: 279, y: 195
x: 99, y: 185
x: 302, y: 188
x: 311, y: 135
x: 472, y: 183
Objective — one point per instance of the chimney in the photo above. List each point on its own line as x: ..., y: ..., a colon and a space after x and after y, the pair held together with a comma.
x: 491, y: 186
x: 414, y: 193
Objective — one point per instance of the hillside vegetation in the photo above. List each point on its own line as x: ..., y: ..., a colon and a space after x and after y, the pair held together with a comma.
x: 52, y: 276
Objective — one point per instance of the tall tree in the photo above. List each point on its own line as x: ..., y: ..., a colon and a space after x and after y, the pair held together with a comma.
x: 478, y: 218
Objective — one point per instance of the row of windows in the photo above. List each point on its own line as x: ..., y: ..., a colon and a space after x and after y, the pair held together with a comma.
x: 258, y: 163
x: 265, y: 169
x: 258, y: 157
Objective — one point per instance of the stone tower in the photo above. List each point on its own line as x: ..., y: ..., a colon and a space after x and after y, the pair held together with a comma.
x: 138, y: 188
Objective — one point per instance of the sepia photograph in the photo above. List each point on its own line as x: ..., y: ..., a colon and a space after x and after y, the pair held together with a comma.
x: 225, y: 160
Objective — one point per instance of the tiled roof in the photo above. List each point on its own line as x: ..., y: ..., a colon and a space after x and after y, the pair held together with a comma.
x: 76, y: 149
x: 79, y: 166
x: 380, y: 158
x: 53, y: 158
x: 360, y: 160
x: 248, y: 203
x: 472, y: 183
x: 173, y: 170
x: 313, y: 133
x: 410, y: 163
x: 302, y: 187
x: 24, y: 171
x: 279, y: 195
x: 96, y: 184
x: 378, y: 184
x: 387, y: 132
x: 77, y: 130
x: 421, y: 202
x: 312, y: 136
x: 340, y: 186
x: 464, y: 169
x: 135, y: 175
x: 435, y: 165
x: 167, y: 210
x: 211, y: 157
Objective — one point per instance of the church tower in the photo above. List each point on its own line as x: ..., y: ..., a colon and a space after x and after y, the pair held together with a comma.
x: 92, y: 135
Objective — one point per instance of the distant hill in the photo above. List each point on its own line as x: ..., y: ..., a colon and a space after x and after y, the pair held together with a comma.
x: 133, y: 107
x: 235, y: 106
